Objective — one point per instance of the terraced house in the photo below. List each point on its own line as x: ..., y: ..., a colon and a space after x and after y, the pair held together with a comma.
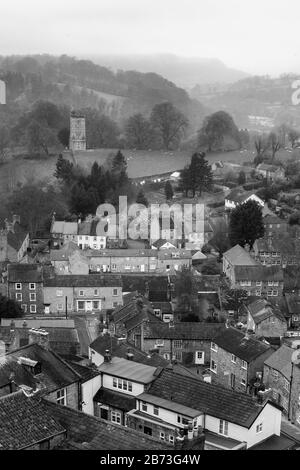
x: 82, y: 293
x: 237, y: 359
x: 282, y: 251
x: 259, y: 280
x: 25, y: 286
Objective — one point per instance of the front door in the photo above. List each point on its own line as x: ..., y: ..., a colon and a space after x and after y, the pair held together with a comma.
x: 104, y: 413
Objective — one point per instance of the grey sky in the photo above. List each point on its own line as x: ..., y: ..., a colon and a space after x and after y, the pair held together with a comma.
x: 258, y: 36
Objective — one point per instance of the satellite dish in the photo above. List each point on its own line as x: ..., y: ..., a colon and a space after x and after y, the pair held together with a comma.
x: 296, y: 357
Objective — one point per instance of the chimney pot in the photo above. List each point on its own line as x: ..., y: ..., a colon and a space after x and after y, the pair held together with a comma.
x: 39, y: 336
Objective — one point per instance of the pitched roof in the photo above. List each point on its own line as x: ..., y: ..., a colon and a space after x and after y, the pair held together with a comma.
x: 16, y: 238
x: 65, y: 228
x: 184, y: 331
x: 120, y: 348
x: 168, y: 253
x: 129, y: 370
x: 238, y: 256
x: 24, y: 421
x: 161, y: 242
x: 261, y: 309
x: 56, y: 373
x: 266, y: 167
x: 84, y: 280
x: 232, y: 406
x: 284, y: 245
x: 86, y: 432
x: 274, y: 219
x: 246, y: 348
x: 292, y: 303
x: 121, y: 253
x: 24, y: 273
x: 280, y: 360
x: 258, y: 273
x: 239, y: 195
x: 86, y: 373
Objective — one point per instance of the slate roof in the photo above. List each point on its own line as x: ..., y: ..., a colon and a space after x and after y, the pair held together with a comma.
x: 280, y: 360
x: 239, y: 195
x: 129, y: 370
x: 274, y: 219
x: 16, y: 238
x: 238, y: 256
x: 120, y: 349
x: 184, y: 331
x: 115, y: 399
x: 235, y: 342
x: 222, y: 403
x: 292, y: 303
x: 266, y: 167
x: 258, y: 273
x: 65, y: 228
x: 261, y: 309
x: 25, y: 421
x: 121, y: 253
x: 86, y: 432
x: 86, y: 373
x: 56, y: 334
x: 24, y: 273
x: 56, y: 373
x: 284, y: 245
x: 82, y: 280
x: 169, y: 254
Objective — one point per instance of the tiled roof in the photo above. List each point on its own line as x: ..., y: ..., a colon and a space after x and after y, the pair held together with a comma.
x: 82, y: 280
x: 235, y: 407
x: 246, y: 348
x: 284, y: 245
x: 184, y: 331
x: 238, y: 256
x: 280, y: 360
x: 56, y: 373
x: 24, y: 273
x: 258, y: 273
x: 133, y: 306
x: 122, y: 253
x: 115, y: 399
x: 87, y: 432
x: 25, y: 421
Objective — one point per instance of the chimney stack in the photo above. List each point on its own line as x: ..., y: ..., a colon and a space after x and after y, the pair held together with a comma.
x: 39, y: 336
x: 107, y: 356
x: 129, y: 355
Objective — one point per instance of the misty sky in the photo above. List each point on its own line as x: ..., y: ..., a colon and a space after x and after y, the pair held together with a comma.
x: 257, y: 36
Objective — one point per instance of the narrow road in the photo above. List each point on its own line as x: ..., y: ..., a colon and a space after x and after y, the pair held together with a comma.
x: 83, y: 334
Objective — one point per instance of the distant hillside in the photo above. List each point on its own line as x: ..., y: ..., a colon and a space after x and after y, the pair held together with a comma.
x: 185, y: 72
x: 252, y: 99
x: 82, y: 83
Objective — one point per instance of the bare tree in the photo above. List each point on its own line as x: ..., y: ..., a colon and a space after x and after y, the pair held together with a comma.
x: 261, y: 145
x: 274, y: 144
x: 293, y: 136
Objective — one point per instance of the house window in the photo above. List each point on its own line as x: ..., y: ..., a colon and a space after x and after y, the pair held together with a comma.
x: 144, y: 406
x: 19, y: 297
x: 61, y: 396
x: 24, y: 308
x: 233, y: 358
x: 32, y: 297
x: 259, y: 428
x: 95, y: 305
x: 60, y: 306
x: 115, y: 292
x: 213, y: 366
x: 96, y: 292
x: 275, y: 374
x: 199, y: 355
x: 129, y: 386
x: 214, y: 347
x: 270, y: 283
x: 178, y: 356
x: 244, y: 365
x: 18, y: 286
x: 155, y: 410
x: 32, y: 286
x: 258, y: 293
x: 33, y: 308
x: 178, y: 344
x: 124, y: 385
x: 115, y: 417
x: 59, y: 293
x: 223, y: 427
x: 147, y: 431
x: 275, y: 293
x: 81, y: 293
x: 162, y: 436
x: 269, y: 293
x: 80, y: 305
x: 120, y: 383
x: 258, y: 283
x: 113, y: 267
x: 171, y: 439
x: 115, y: 382
x: 182, y: 420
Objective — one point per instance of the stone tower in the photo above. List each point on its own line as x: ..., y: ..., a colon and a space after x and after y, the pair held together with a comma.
x: 77, y: 131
